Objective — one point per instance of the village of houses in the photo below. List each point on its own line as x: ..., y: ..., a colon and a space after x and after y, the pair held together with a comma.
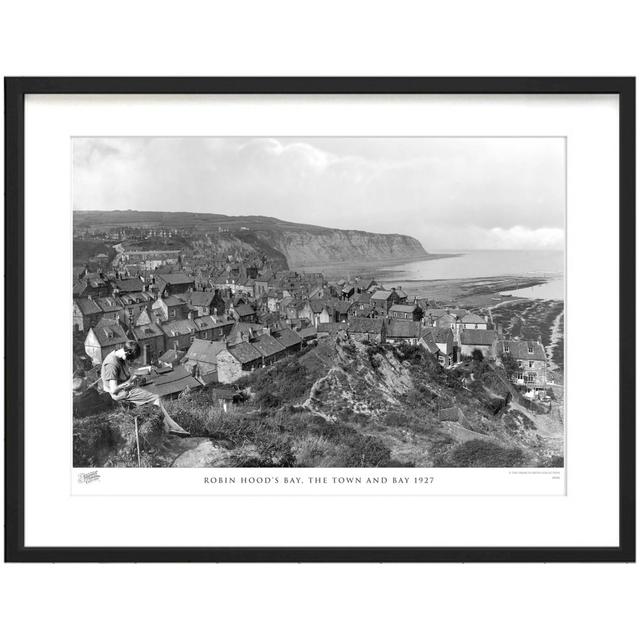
x: 205, y: 330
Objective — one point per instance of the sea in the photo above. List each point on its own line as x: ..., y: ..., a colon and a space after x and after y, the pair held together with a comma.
x: 487, y: 263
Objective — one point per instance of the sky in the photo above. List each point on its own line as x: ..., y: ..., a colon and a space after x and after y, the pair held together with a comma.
x: 449, y: 193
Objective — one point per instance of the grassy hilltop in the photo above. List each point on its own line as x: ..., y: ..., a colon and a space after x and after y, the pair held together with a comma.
x: 342, y: 403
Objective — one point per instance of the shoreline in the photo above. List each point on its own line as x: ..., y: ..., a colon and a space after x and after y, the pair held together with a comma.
x: 368, y: 268
x: 478, y: 291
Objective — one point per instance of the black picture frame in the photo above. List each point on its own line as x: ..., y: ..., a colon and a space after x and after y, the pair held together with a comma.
x: 15, y: 91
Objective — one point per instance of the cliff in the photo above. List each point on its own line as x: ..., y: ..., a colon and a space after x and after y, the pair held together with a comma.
x: 304, y: 248
x: 301, y: 244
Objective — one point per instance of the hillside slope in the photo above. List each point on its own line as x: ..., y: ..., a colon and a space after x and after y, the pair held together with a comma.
x: 342, y: 403
x: 301, y: 244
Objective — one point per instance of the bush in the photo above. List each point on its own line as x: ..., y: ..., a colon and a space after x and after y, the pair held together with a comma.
x: 366, y: 451
x: 557, y: 462
x: 108, y: 439
x: 395, y: 419
x: 412, y: 353
x: 483, y: 453
x: 282, y: 383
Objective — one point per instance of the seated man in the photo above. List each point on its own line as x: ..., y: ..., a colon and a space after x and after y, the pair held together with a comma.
x: 118, y: 382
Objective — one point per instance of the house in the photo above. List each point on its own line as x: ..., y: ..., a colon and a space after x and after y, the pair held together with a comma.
x: 126, y: 285
x: 293, y: 308
x: 270, y: 348
x: 237, y: 361
x: 179, y: 334
x: 101, y: 341
x: 289, y: 339
x: 172, y: 383
x: 244, y: 286
x: 134, y: 304
x: 212, y: 327
x: 93, y: 284
x: 531, y: 359
x: 172, y: 283
x: 111, y: 307
x: 171, y: 357
x: 202, y: 357
x: 317, y: 292
x: 306, y: 312
x: 403, y: 331
x: 243, y: 313
x: 347, y: 290
x: 473, y: 321
x: 364, y: 311
x: 481, y: 340
x: 371, y: 329
x: 427, y: 342
x: 329, y: 328
x: 307, y: 334
x: 443, y: 339
x: 86, y: 313
x: 405, y: 312
x: 147, y: 316
x: 445, y: 321
x: 151, y: 339
x: 432, y: 316
x: 243, y: 332
x: 78, y: 273
x: 369, y: 286
x: 401, y: 296
x: 274, y: 300
x: 170, y: 308
x: 383, y: 300
x: 203, y: 303
x: 341, y: 310
x: 458, y: 313
x: 362, y: 300
x: 260, y: 288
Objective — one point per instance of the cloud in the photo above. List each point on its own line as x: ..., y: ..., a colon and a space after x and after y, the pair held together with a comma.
x: 494, y: 191
x: 524, y: 238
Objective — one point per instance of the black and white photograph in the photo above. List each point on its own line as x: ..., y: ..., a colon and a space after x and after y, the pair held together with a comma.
x: 318, y: 302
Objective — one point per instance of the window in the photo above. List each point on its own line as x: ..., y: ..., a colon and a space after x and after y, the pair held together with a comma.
x: 530, y: 348
x: 530, y: 364
x: 506, y: 348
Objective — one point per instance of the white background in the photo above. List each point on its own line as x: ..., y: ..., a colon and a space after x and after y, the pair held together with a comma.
x: 331, y: 38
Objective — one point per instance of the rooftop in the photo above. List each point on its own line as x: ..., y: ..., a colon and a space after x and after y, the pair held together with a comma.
x: 403, y: 308
x: 244, y: 353
x: 205, y: 350
x: 522, y: 349
x: 484, y: 337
